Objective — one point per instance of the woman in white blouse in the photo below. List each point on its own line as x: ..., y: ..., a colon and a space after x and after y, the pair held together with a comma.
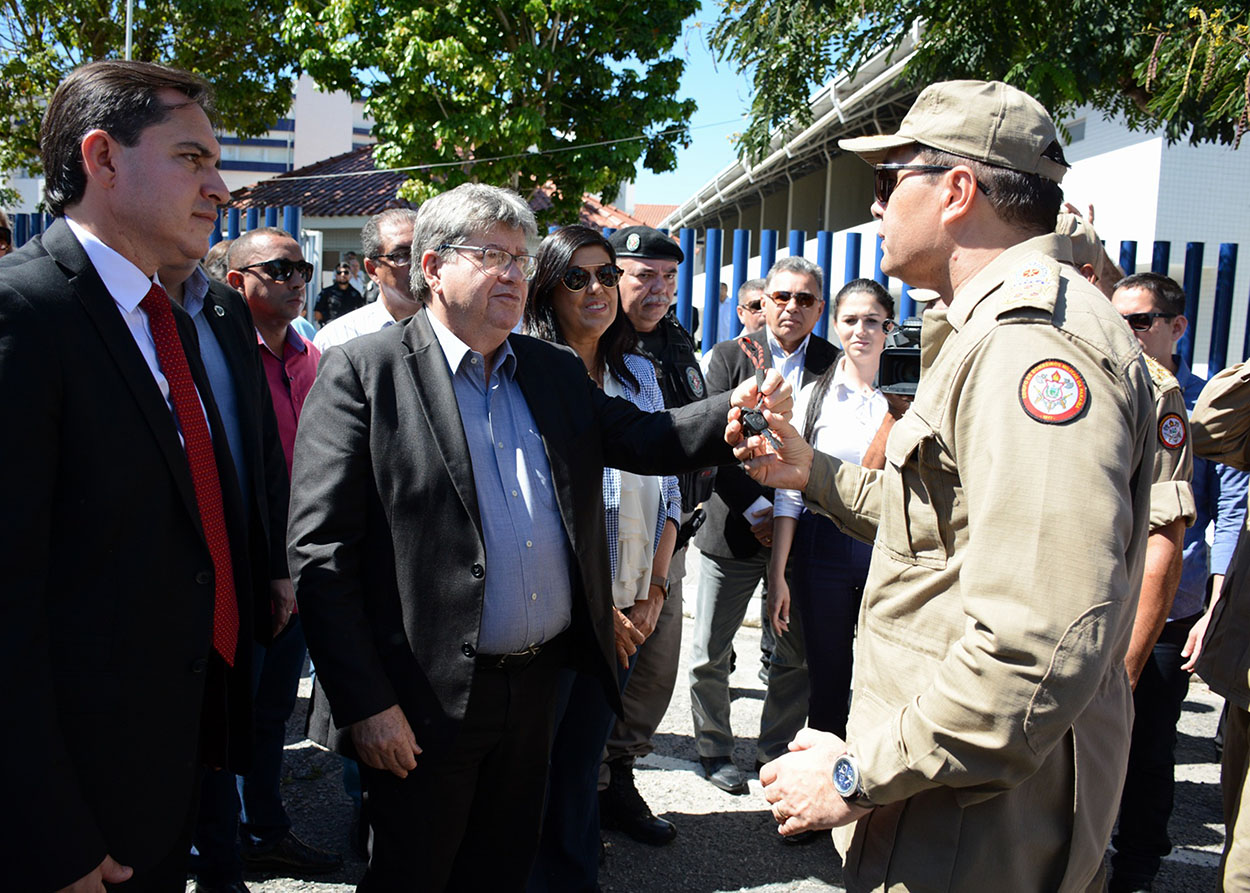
x: 574, y: 301
x: 840, y: 414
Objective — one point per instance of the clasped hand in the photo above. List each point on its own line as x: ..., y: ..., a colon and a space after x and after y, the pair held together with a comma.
x: 784, y: 469
x: 799, y: 785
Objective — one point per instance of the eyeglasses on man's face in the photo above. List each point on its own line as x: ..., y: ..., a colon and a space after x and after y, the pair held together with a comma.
x: 280, y: 269
x: 496, y: 261
x: 886, y: 178
x: 755, y: 305
x: 805, y: 299
x: 1141, y: 322
x: 577, y: 278
x: 400, y: 257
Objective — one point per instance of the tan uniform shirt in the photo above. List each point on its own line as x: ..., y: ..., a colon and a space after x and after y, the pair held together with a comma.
x: 1221, y: 431
x: 1172, y: 493
x: 992, y: 710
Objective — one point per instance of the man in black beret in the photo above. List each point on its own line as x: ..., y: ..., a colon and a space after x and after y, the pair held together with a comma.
x: 649, y: 259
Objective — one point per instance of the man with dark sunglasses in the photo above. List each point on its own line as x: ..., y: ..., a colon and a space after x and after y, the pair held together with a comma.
x: 989, y: 727
x: 338, y: 298
x: 387, y: 242
x: 736, y: 542
x: 751, y: 306
x: 1178, y: 574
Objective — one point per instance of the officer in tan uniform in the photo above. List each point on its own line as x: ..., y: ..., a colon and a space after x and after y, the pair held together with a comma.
x: 990, y: 723
x: 1221, y: 431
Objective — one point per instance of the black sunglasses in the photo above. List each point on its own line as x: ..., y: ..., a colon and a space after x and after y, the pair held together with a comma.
x: 401, y: 258
x: 754, y: 306
x: 886, y: 178
x: 280, y: 269
x: 805, y: 299
x: 577, y: 278
x: 1141, y: 322
x: 6, y: 237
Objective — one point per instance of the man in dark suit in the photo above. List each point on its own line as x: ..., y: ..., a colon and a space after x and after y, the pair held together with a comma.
x: 127, y: 600
x: 736, y: 538
x: 447, y: 540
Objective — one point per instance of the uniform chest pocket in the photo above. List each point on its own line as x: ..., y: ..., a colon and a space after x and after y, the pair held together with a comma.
x: 910, y: 528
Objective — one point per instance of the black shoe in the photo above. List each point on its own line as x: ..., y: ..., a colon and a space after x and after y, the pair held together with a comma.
x: 621, y: 808
x: 722, y: 773
x: 235, y: 887
x: 290, y: 857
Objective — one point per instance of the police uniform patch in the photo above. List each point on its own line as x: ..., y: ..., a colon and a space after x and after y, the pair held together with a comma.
x: 1053, y: 392
x: 633, y: 241
x: 695, y: 379
x: 1172, y: 431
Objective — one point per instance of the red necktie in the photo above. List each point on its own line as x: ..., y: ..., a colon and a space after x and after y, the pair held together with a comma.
x: 199, y: 448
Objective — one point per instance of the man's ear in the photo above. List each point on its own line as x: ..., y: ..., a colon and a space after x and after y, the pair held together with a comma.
x: 371, y: 269
x: 235, y: 280
x: 1179, y: 325
x: 431, y: 266
x: 99, y: 155
x: 960, y: 184
x: 1088, y: 271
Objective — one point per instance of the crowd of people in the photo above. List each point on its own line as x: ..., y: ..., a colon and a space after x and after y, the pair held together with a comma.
x: 468, y: 494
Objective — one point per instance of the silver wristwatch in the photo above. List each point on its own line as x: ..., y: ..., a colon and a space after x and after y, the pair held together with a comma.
x: 847, y: 781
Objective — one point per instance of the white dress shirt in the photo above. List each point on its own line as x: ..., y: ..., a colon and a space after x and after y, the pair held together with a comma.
x: 848, y: 421
x: 361, y: 321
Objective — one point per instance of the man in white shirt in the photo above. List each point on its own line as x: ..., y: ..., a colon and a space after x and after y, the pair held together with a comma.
x: 387, y: 241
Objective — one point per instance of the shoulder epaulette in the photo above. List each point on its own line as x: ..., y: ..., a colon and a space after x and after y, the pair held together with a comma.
x: 1162, y: 378
x: 1034, y: 285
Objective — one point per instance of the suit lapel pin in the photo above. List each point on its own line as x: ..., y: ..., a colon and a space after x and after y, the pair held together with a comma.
x: 221, y: 311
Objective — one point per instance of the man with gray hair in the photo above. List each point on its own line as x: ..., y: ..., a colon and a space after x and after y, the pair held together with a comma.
x: 736, y: 540
x: 448, y: 545
x: 387, y: 242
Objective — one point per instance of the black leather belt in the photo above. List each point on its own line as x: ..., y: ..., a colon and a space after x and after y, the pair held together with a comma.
x: 513, y: 660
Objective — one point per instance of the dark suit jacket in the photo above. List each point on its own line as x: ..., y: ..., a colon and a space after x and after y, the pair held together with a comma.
x: 386, y: 542
x: 726, y: 532
x: 107, y: 601
x: 231, y: 322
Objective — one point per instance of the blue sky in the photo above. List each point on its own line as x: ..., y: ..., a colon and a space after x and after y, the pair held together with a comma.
x: 723, y: 97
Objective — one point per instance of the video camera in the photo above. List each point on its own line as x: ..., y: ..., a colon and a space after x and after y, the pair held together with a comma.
x: 899, y: 372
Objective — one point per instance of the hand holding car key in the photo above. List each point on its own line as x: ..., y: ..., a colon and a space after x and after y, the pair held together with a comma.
x: 753, y: 419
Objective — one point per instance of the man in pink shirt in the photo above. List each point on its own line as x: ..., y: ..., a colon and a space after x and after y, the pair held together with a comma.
x: 267, y: 266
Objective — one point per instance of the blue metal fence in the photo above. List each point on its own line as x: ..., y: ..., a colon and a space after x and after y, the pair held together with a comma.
x: 1222, y: 310
x: 27, y: 226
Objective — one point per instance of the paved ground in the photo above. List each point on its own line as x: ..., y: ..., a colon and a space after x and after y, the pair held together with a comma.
x: 729, y: 843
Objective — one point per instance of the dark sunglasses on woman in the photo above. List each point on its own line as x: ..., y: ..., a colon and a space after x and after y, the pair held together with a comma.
x: 577, y: 278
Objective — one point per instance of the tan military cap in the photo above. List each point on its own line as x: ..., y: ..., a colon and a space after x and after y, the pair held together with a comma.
x: 987, y: 121
x: 1087, y: 247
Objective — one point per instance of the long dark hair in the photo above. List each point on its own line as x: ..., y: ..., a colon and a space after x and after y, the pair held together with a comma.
x: 877, y: 292
x: 554, y: 257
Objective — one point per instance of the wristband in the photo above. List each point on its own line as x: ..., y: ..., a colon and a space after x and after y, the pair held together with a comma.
x: 662, y: 583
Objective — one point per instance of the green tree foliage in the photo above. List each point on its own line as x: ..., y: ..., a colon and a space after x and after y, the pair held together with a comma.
x: 231, y: 43
x: 455, y: 83
x: 1064, y: 52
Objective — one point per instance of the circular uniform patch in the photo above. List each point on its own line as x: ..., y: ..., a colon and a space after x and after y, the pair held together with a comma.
x: 695, y: 379
x: 1053, y: 392
x: 1172, y: 431
x: 632, y: 241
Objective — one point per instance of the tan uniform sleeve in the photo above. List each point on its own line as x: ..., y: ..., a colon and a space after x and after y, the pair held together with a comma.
x: 1171, y: 491
x: 1221, y: 418
x: 1044, y: 579
x: 846, y: 493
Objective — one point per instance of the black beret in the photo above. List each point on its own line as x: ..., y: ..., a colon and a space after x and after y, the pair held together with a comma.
x: 643, y: 241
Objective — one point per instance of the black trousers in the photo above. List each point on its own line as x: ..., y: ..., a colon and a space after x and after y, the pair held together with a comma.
x: 468, y: 817
x: 1141, y: 841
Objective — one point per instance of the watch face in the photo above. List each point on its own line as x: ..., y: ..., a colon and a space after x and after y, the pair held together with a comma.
x: 845, y: 777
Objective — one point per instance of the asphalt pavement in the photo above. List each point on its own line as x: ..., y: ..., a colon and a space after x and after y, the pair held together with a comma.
x: 727, y: 843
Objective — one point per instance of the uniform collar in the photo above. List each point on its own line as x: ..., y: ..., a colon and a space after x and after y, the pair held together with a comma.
x: 990, y: 277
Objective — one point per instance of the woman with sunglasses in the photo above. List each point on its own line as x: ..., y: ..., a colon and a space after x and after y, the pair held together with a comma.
x: 574, y: 301
x: 841, y: 414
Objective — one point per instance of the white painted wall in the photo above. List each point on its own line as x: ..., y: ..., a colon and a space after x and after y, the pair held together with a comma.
x: 323, y: 123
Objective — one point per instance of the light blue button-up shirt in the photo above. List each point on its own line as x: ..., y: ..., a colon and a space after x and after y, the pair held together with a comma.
x: 529, y: 594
